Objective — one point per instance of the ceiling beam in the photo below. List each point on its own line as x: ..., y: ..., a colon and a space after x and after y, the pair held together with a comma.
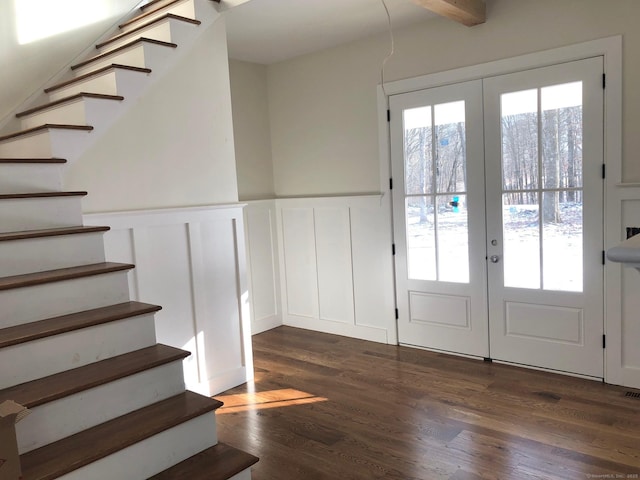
x: 467, y: 12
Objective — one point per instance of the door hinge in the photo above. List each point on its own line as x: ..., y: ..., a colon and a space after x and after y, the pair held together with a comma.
x: 397, y: 314
x: 604, y: 257
x: 391, y: 184
x: 604, y: 80
x: 393, y: 249
x: 604, y: 171
x: 604, y: 341
x: 388, y: 115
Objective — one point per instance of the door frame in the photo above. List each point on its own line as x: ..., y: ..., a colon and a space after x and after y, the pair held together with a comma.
x: 611, y: 49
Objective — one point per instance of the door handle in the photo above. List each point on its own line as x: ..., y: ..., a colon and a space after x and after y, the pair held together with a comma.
x: 494, y: 258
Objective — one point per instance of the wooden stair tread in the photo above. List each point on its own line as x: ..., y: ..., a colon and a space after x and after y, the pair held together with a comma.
x: 74, y: 321
x: 76, y: 451
x: 60, y: 385
x: 68, y: 99
x: 146, y: 12
x: 50, y: 232
x: 123, y: 47
x: 54, y: 387
x: 153, y: 2
x: 33, y: 160
x: 13, y: 196
x: 46, y: 126
x: 38, y: 278
x: 113, y: 66
x: 146, y: 25
x: 219, y: 462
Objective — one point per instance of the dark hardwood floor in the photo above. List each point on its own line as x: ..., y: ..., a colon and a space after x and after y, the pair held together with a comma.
x: 329, y: 407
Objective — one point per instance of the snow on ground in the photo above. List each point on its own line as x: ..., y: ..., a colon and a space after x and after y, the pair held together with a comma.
x: 561, y: 247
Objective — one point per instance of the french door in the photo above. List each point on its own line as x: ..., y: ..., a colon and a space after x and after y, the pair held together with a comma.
x: 498, y: 221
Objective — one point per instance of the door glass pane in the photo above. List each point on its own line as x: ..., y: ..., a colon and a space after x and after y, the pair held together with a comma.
x: 453, y: 239
x: 521, y: 237
x: 450, y: 147
x: 562, y: 135
x: 519, y: 118
x: 418, y: 150
x: 421, y: 238
x: 562, y: 241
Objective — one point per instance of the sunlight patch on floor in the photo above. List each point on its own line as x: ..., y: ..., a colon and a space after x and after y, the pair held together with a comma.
x: 285, y: 397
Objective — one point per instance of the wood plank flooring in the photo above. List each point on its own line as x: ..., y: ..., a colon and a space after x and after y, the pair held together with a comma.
x: 329, y: 407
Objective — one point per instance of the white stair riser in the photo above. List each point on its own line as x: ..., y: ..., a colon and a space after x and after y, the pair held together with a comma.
x: 18, y: 257
x: 155, y: 6
x: 30, y: 177
x: 168, y: 30
x: 185, y: 8
x: 72, y: 414
x: 153, y: 455
x: 51, y: 355
x: 95, y: 112
x: 56, y: 143
x: 114, y: 82
x: 144, y: 55
x: 61, y: 298
x: 19, y: 214
x: 243, y: 475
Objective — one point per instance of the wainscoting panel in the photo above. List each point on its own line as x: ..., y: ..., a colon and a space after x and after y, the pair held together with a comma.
x: 622, y: 291
x: 630, y: 354
x: 333, y: 254
x: 299, y: 275
x: 336, y: 266
x: 262, y: 262
x: 190, y: 261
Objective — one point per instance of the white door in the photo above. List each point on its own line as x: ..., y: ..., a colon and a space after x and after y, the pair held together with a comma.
x: 544, y: 151
x: 439, y: 218
x: 515, y: 273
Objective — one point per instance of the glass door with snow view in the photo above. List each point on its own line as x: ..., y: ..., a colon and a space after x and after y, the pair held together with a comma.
x: 497, y: 205
x: 439, y: 227
x: 544, y: 216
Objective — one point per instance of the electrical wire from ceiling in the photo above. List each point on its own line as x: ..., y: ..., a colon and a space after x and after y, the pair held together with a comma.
x: 391, y: 50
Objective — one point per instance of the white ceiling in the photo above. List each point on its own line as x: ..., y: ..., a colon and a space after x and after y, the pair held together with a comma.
x: 270, y: 31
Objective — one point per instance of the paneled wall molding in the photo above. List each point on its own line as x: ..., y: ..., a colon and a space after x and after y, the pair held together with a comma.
x: 335, y: 265
x: 622, y: 288
x: 263, y: 265
x: 192, y: 262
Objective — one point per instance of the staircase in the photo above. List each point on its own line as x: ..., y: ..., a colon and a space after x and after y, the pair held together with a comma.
x: 107, y: 401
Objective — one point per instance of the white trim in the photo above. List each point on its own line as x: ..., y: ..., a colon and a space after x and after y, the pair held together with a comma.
x: 211, y: 242
x: 608, y: 46
x: 611, y: 49
x: 262, y: 266
x: 163, y: 216
x: 368, y: 313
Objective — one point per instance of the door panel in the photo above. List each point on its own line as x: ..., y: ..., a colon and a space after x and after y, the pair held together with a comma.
x: 439, y: 219
x: 506, y: 266
x: 544, y: 216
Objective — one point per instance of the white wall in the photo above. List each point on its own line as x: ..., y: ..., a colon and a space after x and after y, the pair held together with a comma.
x: 191, y: 261
x: 336, y: 266
x: 323, y: 264
x: 323, y: 106
x: 251, y: 130
x: 175, y: 147
x: 263, y: 265
x: 27, y: 67
x: 324, y: 137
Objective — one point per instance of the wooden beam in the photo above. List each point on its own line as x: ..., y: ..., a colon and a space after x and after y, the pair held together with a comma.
x: 467, y: 12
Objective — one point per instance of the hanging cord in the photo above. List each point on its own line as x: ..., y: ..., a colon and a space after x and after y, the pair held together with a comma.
x: 391, y: 51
